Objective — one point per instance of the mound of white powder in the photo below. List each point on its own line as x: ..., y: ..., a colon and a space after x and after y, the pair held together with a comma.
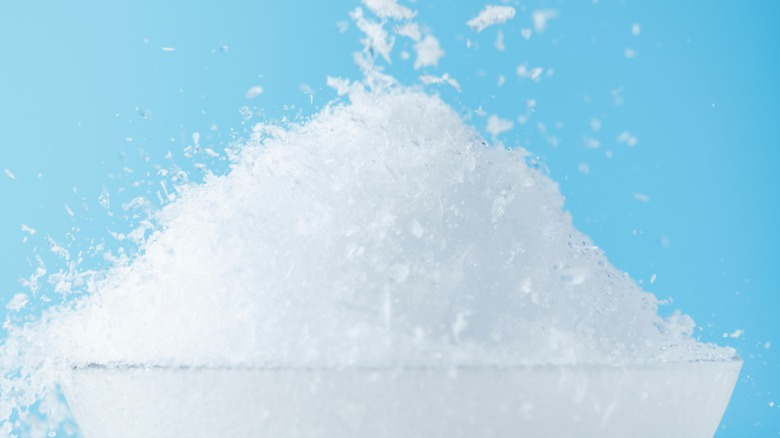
x: 381, y: 232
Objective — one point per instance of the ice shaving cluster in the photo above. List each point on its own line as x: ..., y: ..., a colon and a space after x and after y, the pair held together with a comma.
x: 382, y: 232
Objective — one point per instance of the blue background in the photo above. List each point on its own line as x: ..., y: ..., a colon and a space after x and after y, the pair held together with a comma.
x: 89, y: 99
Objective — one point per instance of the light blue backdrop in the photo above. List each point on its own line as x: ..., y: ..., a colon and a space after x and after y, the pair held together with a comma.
x: 90, y: 99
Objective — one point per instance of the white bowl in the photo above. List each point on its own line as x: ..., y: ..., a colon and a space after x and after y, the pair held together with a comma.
x: 664, y: 400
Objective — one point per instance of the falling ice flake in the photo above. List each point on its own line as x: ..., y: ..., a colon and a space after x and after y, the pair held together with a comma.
x: 18, y: 302
x: 444, y: 79
x: 409, y: 30
x: 535, y: 73
x: 584, y: 168
x: 389, y: 9
x: 168, y: 49
x: 636, y: 29
x: 641, y: 197
x: 376, y: 39
x: 499, y: 44
x: 735, y: 334
x: 526, y: 33
x: 253, y: 92
x: 541, y: 17
x: 9, y: 174
x: 69, y: 211
x: 340, y: 85
x: 496, y: 125
x: 428, y: 52
x: 652, y: 279
x: 490, y: 16
x: 629, y: 53
x: 626, y: 138
x: 28, y: 230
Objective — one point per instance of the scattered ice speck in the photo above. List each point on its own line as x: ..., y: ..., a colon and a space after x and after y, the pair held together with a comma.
x: 552, y: 140
x: 306, y: 89
x: 409, y: 30
x: 735, y: 334
x: 584, y: 168
x: 428, y: 52
x: 342, y: 26
x: 254, y: 91
x: 67, y: 209
x: 104, y: 199
x: 541, y: 17
x: 377, y: 39
x: 443, y: 79
x: 629, y: 53
x: 168, y: 49
x: 636, y: 29
x: 196, y: 138
x: 526, y: 33
x: 767, y: 345
x: 18, y: 302
x: 595, y: 125
x: 129, y: 139
x: 617, y: 96
x: 29, y: 230
x: 592, y: 143
x: 652, y: 279
x: 496, y: 125
x: 641, y: 197
x: 664, y: 242
x: 626, y: 138
x: 58, y: 250
x: 490, y: 16
x: 340, y: 85
x: 500, y: 46
x: 771, y: 404
x: 134, y: 204
x: 389, y: 9
x: 480, y: 112
x: 9, y: 174
x: 144, y: 113
x: 535, y: 73
x: 501, y: 80
x: 246, y: 113
x: 405, y: 55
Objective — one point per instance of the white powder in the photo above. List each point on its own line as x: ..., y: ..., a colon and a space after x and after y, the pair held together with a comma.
x: 383, y: 231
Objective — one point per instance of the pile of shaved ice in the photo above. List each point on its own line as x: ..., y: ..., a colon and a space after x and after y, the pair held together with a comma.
x: 382, y: 232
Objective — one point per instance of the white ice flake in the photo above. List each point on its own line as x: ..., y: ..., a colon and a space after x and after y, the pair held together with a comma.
x: 491, y: 15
